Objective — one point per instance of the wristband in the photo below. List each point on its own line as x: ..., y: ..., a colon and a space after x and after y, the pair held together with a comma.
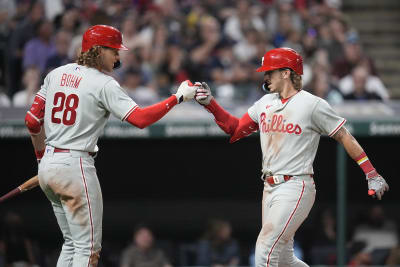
x: 364, y: 163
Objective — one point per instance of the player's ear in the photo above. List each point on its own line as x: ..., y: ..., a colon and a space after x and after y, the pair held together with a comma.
x: 285, y: 73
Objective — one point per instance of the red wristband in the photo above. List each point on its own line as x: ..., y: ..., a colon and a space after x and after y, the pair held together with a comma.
x: 364, y: 163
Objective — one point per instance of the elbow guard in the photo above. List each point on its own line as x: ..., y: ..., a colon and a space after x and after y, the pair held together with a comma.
x: 34, y: 117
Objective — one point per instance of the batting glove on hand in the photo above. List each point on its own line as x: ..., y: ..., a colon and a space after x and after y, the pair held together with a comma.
x: 186, y: 91
x: 203, y: 94
x: 376, y: 184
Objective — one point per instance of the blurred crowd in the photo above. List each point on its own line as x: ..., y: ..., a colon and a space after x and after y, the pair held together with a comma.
x: 372, y: 240
x: 217, y: 41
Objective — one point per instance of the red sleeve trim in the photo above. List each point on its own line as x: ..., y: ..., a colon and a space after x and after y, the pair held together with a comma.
x: 129, y: 112
x: 337, y: 128
x: 143, y: 117
x: 40, y: 96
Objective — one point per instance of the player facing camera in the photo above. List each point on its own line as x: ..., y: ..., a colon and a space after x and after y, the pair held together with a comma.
x: 290, y: 122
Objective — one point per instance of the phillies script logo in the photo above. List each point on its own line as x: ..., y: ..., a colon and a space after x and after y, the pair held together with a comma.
x: 277, y: 124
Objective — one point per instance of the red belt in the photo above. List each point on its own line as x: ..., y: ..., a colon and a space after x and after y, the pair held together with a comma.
x: 271, y: 181
x: 61, y: 150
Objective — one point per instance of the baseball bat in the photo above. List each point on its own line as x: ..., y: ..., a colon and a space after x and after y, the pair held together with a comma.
x: 28, y: 185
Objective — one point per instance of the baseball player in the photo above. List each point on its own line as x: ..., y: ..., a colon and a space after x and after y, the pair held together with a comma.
x: 73, y: 106
x: 291, y: 122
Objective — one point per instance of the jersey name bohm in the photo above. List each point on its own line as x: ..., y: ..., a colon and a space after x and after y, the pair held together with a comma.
x: 277, y: 124
x: 70, y: 80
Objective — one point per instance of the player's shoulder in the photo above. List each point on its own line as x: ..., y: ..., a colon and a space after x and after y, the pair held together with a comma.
x: 100, y: 77
x: 268, y: 97
x: 314, y: 102
x: 307, y: 95
x: 310, y: 98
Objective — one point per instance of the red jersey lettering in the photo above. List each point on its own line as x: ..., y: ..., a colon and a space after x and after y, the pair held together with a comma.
x: 70, y: 80
x: 277, y: 124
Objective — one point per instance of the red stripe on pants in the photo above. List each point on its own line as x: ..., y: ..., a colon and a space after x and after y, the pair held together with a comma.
x: 90, y: 211
x: 291, y: 216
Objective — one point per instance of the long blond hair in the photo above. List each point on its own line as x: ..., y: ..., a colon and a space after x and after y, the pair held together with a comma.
x: 90, y: 58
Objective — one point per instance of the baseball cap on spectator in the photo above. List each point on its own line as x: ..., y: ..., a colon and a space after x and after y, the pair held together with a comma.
x: 352, y: 37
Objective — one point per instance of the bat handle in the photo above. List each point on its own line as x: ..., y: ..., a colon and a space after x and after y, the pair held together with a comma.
x: 21, y: 190
x: 10, y: 194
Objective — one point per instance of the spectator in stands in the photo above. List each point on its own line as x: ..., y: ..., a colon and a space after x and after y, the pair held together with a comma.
x: 361, y: 86
x: 132, y: 38
x: 25, y: 31
x: 202, y: 52
x: 142, y: 252
x: 7, y: 11
x: 31, y: 82
x: 378, y: 234
x: 227, y: 73
x: 60, y: 56
x: 245, y: 50
x: 70, y: 21
x: 4, y: 100
x: 321, y: 86
x: 39, y: 49
x: 358, y: 256
x: 172, y: 64
x: 143, y: 95
x: 394, y: 257
x: 242, y: 19
x: 218, y: 247
x: 353, y: 55
x: 332, y: 36
x: 323, y: 250
x: 17, y: 246
x: 309, y: 43
x: 282, y: 17
x: 286, y: 32
x: 171, y: 40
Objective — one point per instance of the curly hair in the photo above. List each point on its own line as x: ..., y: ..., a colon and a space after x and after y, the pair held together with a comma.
x: 296, y: 80
x: 90, y: 58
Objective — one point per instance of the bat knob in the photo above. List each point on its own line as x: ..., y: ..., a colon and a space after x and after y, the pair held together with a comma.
x: 371, y: 192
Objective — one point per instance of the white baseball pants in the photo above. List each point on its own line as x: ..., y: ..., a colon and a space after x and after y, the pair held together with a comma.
x: 70, y: 182
x: 284, y: 207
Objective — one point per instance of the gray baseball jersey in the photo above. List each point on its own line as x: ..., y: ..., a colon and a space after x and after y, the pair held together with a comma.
x: 79, y: 101
x: 290, y: 131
